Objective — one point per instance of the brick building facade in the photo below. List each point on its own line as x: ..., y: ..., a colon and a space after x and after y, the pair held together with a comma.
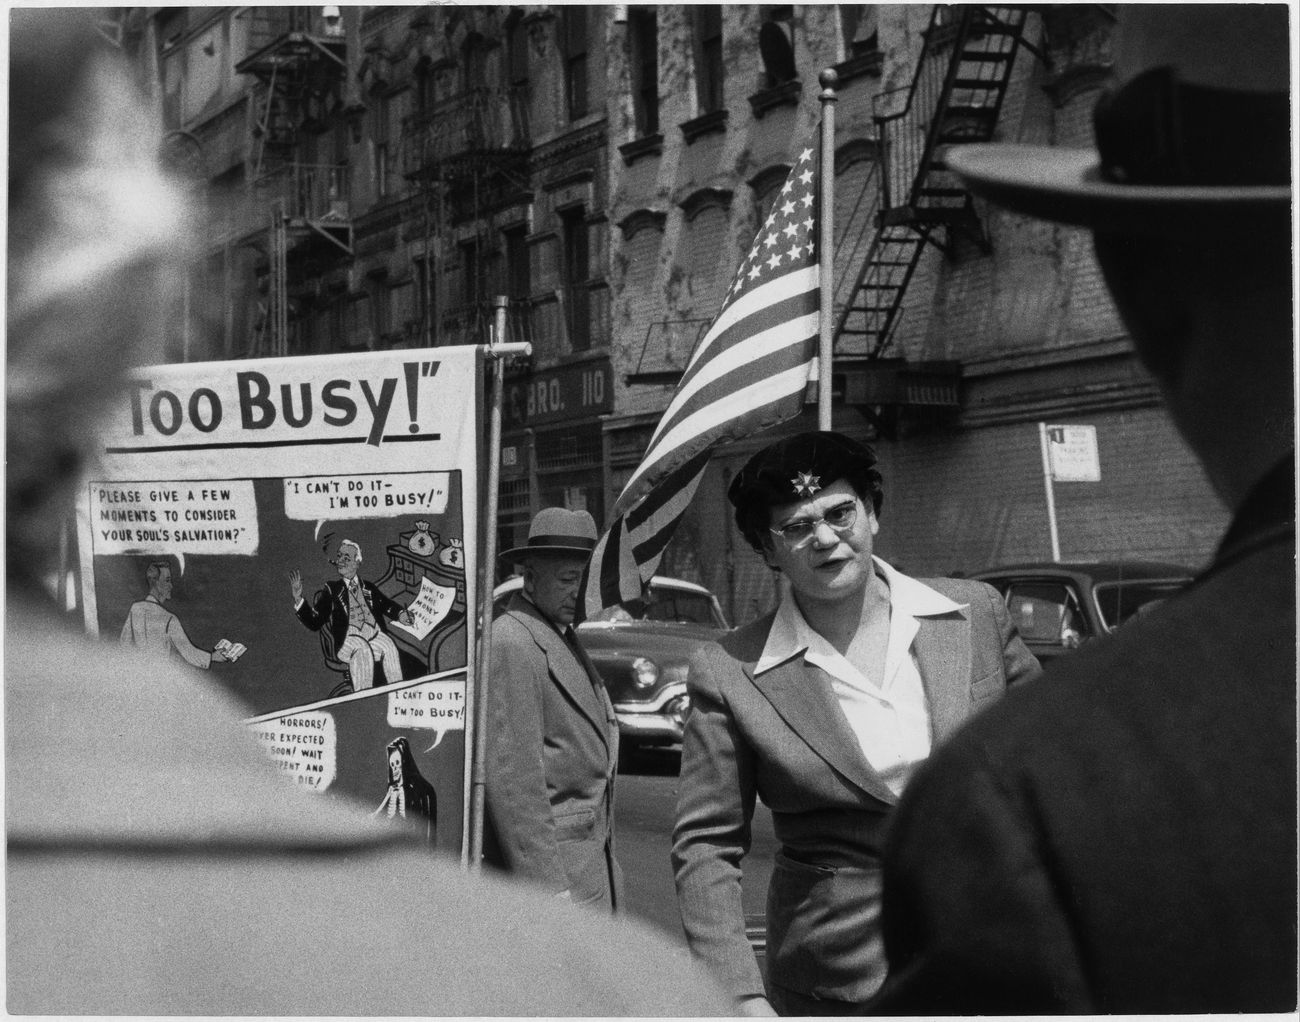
x: 380, y: 173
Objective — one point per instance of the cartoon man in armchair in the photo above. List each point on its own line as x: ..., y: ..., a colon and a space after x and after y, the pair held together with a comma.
x: 356, y: 615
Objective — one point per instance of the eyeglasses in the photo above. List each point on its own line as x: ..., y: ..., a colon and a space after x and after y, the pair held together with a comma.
x: 799, y: 534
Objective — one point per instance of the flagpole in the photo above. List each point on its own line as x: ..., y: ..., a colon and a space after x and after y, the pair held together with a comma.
x: 826, y: 247
x: 498, y: 351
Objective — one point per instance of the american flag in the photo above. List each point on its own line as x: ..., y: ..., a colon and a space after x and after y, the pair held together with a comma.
x: 747, y: 373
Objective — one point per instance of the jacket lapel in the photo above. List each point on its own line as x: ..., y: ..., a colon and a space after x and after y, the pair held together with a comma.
x: 568, y: 669
x: 942, y: 649
x: 801, y: 694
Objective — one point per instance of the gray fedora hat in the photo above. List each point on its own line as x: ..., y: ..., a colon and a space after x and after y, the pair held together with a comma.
x: 556, y: 530
x: 1195, y: 137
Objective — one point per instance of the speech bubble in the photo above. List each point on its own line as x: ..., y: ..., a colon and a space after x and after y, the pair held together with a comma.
x: 324, y: 498
x: 437, y: 706
x: 303, y: 745
x: 217, y: 516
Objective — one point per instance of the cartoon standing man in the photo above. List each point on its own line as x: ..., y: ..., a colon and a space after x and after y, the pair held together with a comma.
x: 356, y: 615
x: 151, y: 626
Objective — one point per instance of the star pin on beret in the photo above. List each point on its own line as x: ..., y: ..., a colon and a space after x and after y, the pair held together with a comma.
x: 805, y: 484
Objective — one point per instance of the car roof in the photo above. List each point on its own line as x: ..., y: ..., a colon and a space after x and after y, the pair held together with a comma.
x: 1097, y: 571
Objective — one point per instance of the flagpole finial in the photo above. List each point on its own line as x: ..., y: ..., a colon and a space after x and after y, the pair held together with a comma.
x: 828, y: 79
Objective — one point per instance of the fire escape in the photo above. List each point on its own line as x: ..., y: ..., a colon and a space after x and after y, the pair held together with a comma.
x: 465, y: 155
x: 298, y: 58
x: 912, y: 199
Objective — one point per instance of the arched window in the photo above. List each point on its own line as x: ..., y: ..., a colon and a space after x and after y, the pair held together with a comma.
x: 704, y: 247
x: 643, y: 234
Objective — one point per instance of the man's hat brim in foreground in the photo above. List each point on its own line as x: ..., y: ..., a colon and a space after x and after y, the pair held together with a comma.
x: 1066, y: 186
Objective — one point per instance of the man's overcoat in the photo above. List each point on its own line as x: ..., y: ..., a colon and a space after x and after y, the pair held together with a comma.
x: 552, y: 741
x: 1121, y: 836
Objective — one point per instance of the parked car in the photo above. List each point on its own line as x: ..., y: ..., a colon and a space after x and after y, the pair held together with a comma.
x: 642, y: 659
x: 1057, y: 607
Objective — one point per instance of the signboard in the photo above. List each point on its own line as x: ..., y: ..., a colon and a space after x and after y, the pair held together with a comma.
x: 304, y: 530
x: 1073, y: 454
x: 569, y: 392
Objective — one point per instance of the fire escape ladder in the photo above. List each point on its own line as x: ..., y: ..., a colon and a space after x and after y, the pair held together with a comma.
x: 271, y: 337
x: 279, y: 270
x: 954, y: 97
x: 297, y: 57
x: 265, y: 123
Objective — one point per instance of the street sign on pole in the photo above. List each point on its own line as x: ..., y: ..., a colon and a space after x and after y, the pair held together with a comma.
x: 1073, y: 454
x: 1069, y: 456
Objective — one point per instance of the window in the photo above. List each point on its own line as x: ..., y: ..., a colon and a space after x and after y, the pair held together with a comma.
x: 473, y: 285
x: 424, y: 90
x: 776, y: 45
x: 575, y: 60
x: 337, y: 323
x: 422, y: 314
x: 767, y: 185
x: 576, y: 271
x: 517, y: 57
x: 473, y: 64
x: 858, y: 24
x: 381, y: 312
x: 1121, y: 600
x: 706, y: 278
x: 516, y: 70
x: 643, y: 58
x: 1047, y: 612
x: 382, y: 164
x: 708, y: 57
x: 518, y: 284
x: 171, y: 29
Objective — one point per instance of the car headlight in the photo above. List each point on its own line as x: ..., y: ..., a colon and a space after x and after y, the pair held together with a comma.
x: 645, y: 672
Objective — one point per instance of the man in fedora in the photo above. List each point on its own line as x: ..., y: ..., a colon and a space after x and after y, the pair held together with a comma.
x: 552, y: 736
x: 1121, y: 836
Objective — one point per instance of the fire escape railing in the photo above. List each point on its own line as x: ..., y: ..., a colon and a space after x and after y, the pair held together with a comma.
x: 451, y: 136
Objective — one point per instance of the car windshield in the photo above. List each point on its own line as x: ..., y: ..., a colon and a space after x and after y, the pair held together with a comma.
x: 671, y: 606
x: 1120, y: 601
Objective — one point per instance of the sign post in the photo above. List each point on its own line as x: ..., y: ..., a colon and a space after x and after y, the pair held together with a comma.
x: 1069, y: 455
x: 497, y: 352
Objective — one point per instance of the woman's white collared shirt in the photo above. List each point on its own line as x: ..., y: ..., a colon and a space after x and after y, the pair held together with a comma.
x: 891, y: 720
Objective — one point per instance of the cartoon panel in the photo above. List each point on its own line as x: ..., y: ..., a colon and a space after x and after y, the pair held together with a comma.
x: 311, y: 588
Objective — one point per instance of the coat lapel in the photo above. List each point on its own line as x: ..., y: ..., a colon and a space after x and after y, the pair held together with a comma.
x: 942, y: 648
x: 801, y: 693
x: 568, y: 670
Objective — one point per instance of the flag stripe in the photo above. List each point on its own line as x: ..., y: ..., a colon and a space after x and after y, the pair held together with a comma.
x: 678, y: 479
x: 607, y: 557
x: 740, y: 404
x: 649, y: 541
x: 783, y: 340
x: 789, y: 285
x: 793, y: 281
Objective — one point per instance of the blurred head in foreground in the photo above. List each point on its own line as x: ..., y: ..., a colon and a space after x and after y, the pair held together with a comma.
x: 96, y: 235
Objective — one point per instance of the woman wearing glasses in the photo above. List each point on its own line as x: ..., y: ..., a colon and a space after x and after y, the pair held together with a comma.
x: 823, y: 708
